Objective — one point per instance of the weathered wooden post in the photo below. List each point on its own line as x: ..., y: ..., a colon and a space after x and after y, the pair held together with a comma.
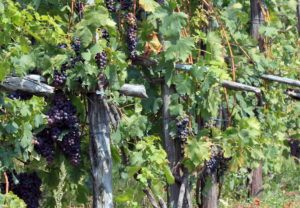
x: 257, y: 19
x: 169, y: 144
x: 100, y: 152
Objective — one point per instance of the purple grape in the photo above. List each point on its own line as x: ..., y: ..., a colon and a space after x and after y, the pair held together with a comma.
x: 28, y: 188
x: 160, y: 1
x: 101, y: 60
x: 131, y: 35
x: 126, y: 4
x: 110, y: 5
x: 44, y: 145
x: 182, y: 132
x: 19, y: 95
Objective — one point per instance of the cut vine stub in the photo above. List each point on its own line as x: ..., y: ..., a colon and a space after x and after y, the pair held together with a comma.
x: 134, y: 90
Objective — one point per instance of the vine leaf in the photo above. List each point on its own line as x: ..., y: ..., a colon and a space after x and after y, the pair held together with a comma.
x: 179, y: 51
x: 4, y: 69
x: 148, y: 5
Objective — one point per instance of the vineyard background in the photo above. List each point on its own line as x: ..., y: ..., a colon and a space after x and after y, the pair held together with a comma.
x: 135, y: 103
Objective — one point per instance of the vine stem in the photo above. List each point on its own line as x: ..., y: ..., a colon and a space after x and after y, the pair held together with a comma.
x: 6, y: 183
x: 71, y: 15
x: 230, y: 52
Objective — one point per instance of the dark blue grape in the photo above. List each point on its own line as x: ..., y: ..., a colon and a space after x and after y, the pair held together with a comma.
x: 70, y: 146
x: 27, y: 188
x: 76, y: 46
x: 126, y: 4
x: 19, y: 95
x: 44, y: 145
x: 110, y: 5
x: 160, y: 1
x: 101, y: 60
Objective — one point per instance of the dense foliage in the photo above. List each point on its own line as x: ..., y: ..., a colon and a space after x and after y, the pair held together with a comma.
x: 83, y: 48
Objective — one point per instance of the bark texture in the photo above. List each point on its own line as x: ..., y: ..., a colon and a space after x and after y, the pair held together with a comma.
x: 100, y: 152
x: 209, y: 191
x: 30, y: 83
x: 257, y: 19
x: 169, y: 144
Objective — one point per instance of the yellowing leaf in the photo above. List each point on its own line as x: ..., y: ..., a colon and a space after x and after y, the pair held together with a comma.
x: 148, y: 5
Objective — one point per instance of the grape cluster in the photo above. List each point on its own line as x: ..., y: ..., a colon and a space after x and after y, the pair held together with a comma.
x: 105, y: 35
x: 76, y: 45
x: 182, y: 132
x: 19, y: 95
x: 44, y: 145
x: 217, y: 164
x: 131, y: 35
x: 63, y: 129
x: 59, y: 78
x: 126, y: 4
x: 160, y: 1
x: 70, y: 145
x: 101, y: 60
x: 212, y: 165
x: 110, y: 5
x: 27, y: 188
x: 294, y: 147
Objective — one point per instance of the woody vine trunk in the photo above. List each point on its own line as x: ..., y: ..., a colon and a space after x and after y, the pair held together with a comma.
x: 100, y: 152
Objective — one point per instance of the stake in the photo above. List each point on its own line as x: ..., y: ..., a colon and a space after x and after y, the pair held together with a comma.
x: 283, y: 80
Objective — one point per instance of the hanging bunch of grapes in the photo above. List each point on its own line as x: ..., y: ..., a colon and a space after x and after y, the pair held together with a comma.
x: 217, y: 164
x: 101, y: 60
x: 63, y: 129
x: 131, y: 36
x: 126, y: 5
x: 60, y: 76
x: 27, y: 187
x: 182, y: 133
x: 110, y: 5
x: 19, y: 95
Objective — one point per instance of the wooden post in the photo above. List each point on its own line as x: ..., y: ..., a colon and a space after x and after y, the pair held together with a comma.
x: 169, y: 144
x: 257, y: 19
x: 209, y: 191
x: 100, y: 152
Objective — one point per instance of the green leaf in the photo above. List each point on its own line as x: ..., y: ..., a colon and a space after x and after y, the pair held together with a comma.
x: 173, y: 23
x: 179, y: 51
x: 26, y: 139
x: 85, y: 36
x: 4, y: 69
x: 11, y: 127
x: 184, y: 84
x: 169, y: 176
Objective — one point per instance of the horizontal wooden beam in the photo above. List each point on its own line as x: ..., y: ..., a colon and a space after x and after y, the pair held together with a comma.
x: 185, y: 67
x: 283, y: 80
x: 31, y: 83
x: 240, y: 87
x: 293, y: 94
